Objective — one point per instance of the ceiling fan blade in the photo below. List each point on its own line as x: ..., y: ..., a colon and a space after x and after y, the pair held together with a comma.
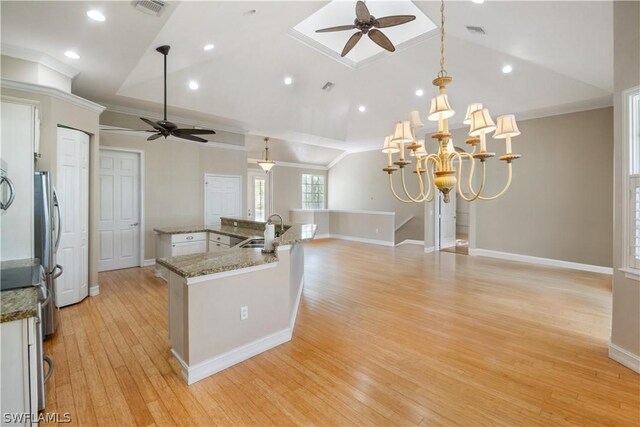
x: 152, y: 124
x: 338, y: 28
x: 362, y: 12
x: 381, y: 40
x: 186, y: 131
x: 392, y: 21
x: 190, y: 137
x: 351, y: 43
x: 154, y: 136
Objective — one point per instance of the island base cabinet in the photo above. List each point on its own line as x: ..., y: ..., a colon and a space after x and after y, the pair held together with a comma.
x: 168, y: 245
x: 19, y: 380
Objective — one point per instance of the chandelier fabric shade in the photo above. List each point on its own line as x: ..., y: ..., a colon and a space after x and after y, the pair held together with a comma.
x: 440, y: 108
x: 507, y: 127
x: 442, y: 170
x: 481, y: 123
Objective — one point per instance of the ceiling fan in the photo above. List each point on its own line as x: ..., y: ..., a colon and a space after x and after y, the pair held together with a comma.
x: 366, y: 23
x: 165, y: 128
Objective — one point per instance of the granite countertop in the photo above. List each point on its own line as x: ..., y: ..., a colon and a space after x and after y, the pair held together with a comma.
x: 16, y: 304
x: 235, y: 258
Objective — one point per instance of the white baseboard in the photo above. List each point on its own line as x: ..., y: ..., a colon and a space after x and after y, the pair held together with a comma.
x: 294, y: 315
x: 362, y: 240
x: 541, y: 261
x: 411, y: 242
x: 429, y: 250
x: 94, y: 291
x: 322, y: 236
x: 149, y: 262
x: 194, y: 373
x: 624, y: 357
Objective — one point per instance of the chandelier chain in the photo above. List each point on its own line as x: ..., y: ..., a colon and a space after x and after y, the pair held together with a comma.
x: 442, y: 72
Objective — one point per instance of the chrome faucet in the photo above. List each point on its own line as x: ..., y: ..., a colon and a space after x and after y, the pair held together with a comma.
x: 281, y: 223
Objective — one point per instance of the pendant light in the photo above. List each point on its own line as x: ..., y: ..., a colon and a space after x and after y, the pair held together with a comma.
x: 266, y: 164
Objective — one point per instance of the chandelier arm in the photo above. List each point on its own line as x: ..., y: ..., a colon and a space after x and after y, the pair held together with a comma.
x: 394, y: 191
x: 404, y: 187
x: 428, y: 175
x: 469, y: 182
x: 430, y: 196
x: 506, y: 187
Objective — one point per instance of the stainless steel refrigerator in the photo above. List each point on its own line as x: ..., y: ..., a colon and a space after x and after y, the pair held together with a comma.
x: 47, y: 227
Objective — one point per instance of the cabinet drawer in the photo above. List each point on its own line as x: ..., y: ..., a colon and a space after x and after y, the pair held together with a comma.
x: 219, y: 238
x: 188, y: 248
x: 188, y: 237
x: 216, y: 247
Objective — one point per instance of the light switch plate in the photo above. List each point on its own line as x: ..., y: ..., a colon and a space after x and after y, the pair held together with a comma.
x: 244, y: 312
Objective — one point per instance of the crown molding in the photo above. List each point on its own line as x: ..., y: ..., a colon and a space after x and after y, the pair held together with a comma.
x: 145, y: 135
x: 338, y: 159
x: 38, y: 57
x: 158, y: 116
x: 293, y: 165
x: 53, y: 92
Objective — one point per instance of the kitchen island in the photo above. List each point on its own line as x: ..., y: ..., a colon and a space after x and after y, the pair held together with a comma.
x: 226, y: 306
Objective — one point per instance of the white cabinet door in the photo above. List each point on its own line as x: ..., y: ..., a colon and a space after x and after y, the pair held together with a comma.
x: 16, y: 162
x: 72, y: 186
x: 222, y: 197
x: 119, y: 224
x: 189, y: 248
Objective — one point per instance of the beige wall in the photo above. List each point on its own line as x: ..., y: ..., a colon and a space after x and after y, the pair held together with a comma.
x: 174, y: 175
x: 559, y: 204
x: 34, y: 73
x: 357, y: 182
x: 625, y: 331
x: 286, y: 185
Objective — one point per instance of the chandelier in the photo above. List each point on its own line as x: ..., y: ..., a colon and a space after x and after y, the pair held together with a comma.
x: 266, y: 164
x: 443, y: 170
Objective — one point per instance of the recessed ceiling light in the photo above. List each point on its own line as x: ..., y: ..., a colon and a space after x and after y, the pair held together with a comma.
x: 96, y: 15
x: 288, y: 80
x: 362, y: 108
x: 193, y: 85
x: 507, y: 69
x: 208, y: 46
x: 419, y: 92
x: 71, y: 54
x: 478, y: 1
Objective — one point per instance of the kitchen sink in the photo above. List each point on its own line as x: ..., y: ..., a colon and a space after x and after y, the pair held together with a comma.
x: 253, y: 243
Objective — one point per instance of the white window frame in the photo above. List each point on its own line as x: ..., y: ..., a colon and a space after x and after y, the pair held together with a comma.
x: 631, y: 267
x: 324, y: 190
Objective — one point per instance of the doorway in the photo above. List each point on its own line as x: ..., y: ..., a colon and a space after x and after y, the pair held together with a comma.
x: 258, y: 195
x: 120, y: 209
x: 452, y: 225
x: 222, y: 197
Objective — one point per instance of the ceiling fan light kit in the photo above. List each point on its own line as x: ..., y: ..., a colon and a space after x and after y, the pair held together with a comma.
x: 443, y: 169
x: 165, y: 128
x: 368, y: 24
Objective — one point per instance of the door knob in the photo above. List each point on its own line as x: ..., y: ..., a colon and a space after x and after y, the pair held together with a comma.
x: 134, y: 224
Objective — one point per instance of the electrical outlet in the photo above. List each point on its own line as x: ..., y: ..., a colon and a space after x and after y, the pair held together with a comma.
x: 235, y: 223
x: 244, y: 312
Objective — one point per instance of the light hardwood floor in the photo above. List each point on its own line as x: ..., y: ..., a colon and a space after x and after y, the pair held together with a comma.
x: 384, y: 336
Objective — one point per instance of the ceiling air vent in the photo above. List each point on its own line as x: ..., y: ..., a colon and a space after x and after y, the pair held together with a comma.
x: 328, y: 86
x: 475, y: 30
x: 150, y: 7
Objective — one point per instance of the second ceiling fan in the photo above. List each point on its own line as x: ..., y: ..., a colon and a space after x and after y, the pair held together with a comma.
x: 368, y: 24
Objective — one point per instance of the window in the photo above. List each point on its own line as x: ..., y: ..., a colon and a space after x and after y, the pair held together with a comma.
x: 632, y: 231
x: 312, y: 192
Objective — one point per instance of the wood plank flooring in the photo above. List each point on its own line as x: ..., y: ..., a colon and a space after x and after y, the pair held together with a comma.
x: 384, y: 336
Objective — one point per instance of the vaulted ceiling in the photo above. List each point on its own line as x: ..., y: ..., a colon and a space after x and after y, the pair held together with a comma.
x: 561, y: 53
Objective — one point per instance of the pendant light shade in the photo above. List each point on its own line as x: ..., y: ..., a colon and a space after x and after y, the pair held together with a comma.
x: 390, y: 146
x: 481, y: 122
x: 470, y: 110
x: 507, y: 127
x: 266, y: 164
x: 440, y: 108
x: 402, y: 133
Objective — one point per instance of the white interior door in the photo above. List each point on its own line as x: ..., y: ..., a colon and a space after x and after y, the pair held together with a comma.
x: 119, y: 224
x: 222, y: 198
x: 447, y: 222
x: 72, y: 185
x: 258, y: 197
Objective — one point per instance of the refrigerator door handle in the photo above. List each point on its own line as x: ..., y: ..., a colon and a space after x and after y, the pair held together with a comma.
x: 56, y: 204
x: 55, y: 275
x: 12, y: 193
